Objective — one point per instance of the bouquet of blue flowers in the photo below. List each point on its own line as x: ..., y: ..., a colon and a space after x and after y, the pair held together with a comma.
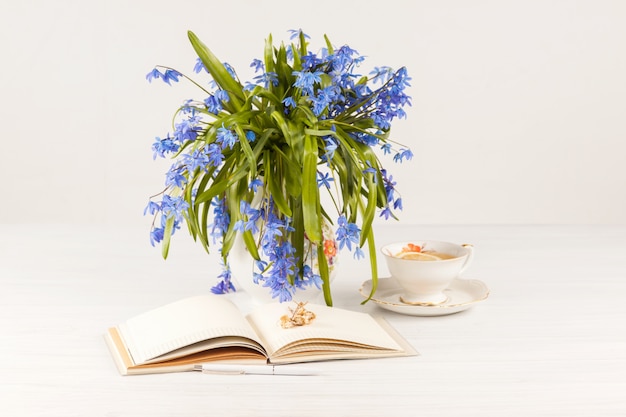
x: 250, y: 160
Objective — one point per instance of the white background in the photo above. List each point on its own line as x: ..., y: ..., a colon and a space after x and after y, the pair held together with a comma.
x: 517, y: 117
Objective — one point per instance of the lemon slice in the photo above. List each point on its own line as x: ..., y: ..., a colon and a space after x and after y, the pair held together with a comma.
x: 418, y: 256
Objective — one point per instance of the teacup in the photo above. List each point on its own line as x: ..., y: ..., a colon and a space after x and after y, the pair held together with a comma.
x: 424, y: 269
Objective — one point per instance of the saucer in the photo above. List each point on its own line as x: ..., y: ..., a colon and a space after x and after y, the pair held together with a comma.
x: 462, y: 294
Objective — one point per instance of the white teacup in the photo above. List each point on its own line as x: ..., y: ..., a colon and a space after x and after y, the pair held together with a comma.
x: 425, y: 274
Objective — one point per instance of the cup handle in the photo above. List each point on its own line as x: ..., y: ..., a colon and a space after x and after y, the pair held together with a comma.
x: 470, y: 256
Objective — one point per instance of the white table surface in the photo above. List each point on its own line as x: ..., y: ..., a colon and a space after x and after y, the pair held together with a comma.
x: 549, y: 341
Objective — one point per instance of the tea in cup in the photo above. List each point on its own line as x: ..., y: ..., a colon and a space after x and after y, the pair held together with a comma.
x: 424, y: 269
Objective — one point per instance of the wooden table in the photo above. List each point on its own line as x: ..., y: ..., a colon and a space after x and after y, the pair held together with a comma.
x: 550, y: 340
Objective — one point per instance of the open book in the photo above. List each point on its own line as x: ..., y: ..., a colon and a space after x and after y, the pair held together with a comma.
x: 210, y: 328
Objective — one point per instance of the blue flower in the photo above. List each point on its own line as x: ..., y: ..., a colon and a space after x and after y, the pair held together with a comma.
x: 251, y: 136
x: 289, y: 102
x: 214, y: 154
x: 258, y: 65
x: 369, y: 169
x: 267, y: 78
x: 175, y: 178
x: 330, y: 147
x: 214, y: 103
x: 251, y: 216
x: 163, y: 146
x: 222, y: 96
x: 283, y: 291
x: 239, y: 226
x: 230, y: 70
x: 156, y: 235
x: 320, y: 103
x: 167, y: 76
x: 310, y: 279
x: 226, y: 137
x: 381, y: 74
x: 198, y: 159
x: 221, y: 219
x: 347, y: 233
x: 403, y: 154
x: 324, y: 179
x: 189, y: 108
x: 199, y: 66
x: 225, y: 285
x: 306, y: 80
x: 257, y: 277
x: 340, y: 65
x: 255, y: 184
x: 151, y: 208
x: 173, y: 207
x: 386, y: 213
x: 272, y: 230
x: 246, y: 209
x: 249, y: 86
x: 389, y: 184
x: 170, y: 208
x: 366, y: 138
x: 310, y: 61
x: 325, y: 98
x: 153, y: 75
x: 171, y: 75
x: 402, y: 78
x: 187, y: 129
x: 295, y: 33
x: 283, y: 266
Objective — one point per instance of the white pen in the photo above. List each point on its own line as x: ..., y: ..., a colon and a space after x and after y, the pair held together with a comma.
x: 228, y: 369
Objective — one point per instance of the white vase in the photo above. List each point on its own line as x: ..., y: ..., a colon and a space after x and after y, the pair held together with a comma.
x: 242, y: 267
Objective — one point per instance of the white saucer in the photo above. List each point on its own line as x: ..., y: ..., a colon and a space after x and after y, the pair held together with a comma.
x: 462, y: 294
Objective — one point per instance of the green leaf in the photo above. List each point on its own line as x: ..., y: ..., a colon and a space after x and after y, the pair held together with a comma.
x: 310, y: 191
x: 269, y: 55
x: 371, y: 191
x: 309, y: 117
x: 302, y: 40
x: 248, y: 239
x: 297, y: 236
x: 219, y: 73
x: 214, y: 190
x: 324, y: 273
x: 167, y: 235
x: 247, y: 150
x: 293, y: 183
x: 282, y: 125
x: 297, y: 64
x: 370, y: 209
x: 234, y: 195
x: 329, y: 45
x: 205, y: 226
x: 321, y: 133
x: 273, y: 176
x: 296, y: 145
x: 262, y: 92
x: 373, y: 264
x: 197, y: 207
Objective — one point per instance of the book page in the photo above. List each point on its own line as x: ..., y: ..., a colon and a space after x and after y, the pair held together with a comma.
x: 347, y: 331
x: 183, y: 323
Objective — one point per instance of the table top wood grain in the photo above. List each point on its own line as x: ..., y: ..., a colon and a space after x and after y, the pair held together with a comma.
x: 549, y: 341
